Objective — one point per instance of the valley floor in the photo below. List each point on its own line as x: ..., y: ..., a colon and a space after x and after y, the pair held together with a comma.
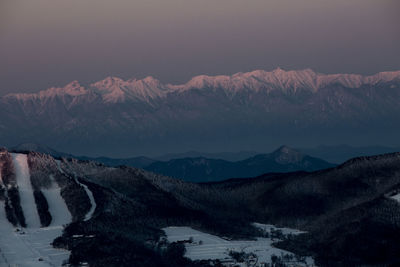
x: 203, y: 246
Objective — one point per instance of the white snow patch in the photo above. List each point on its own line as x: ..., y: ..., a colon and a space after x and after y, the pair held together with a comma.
x: 268, y: 228
x: 57, y: 207
x: 89, y: 215
x: 213, y: 247
x: 396, y: 197
x: 25, y: 250
x: 28, y: 204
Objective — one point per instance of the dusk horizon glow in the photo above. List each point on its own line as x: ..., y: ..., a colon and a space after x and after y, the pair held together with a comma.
x: 47, y: 43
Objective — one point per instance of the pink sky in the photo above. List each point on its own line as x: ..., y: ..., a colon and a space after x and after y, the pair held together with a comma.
x: 47, y: 42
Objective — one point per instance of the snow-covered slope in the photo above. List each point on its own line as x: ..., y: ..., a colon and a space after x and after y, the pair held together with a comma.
x: 89, y: 193
x: 31, y: 246
x: 57, y: 207
x: 25, y: 190
x: 113, y: 89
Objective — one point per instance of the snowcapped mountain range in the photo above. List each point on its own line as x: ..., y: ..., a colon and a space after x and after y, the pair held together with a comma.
x: 253, y: 110
x: 114, y: 89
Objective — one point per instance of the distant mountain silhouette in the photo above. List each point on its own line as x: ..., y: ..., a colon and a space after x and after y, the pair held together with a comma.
x: 229, y: 156
x: 33, y: 147
x: 341, y: 153
x: 202, y: 169
x: 138, y: 162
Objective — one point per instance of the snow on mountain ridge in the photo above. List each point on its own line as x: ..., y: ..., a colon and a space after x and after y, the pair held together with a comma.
x: 284, y: 80
x: 72, y: 89
x: 114, y: 89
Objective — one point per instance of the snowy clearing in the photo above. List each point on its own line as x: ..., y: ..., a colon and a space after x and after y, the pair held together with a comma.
x: 268, y: 228
x: 206, y: 246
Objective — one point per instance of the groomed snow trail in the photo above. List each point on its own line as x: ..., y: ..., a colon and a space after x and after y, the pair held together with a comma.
x: 89, y: 215
x: 24, y: 248
x: 14, y: 251
x: 25, y: 190
x: 89, y: 193
x: 57, y: 207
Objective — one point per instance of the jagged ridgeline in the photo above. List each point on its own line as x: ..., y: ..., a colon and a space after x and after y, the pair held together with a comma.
x: 117, y: 213
x: 210, y: 113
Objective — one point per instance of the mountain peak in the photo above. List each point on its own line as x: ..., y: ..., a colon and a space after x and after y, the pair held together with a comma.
x: 278, y: 70
x: 110, y: 89
x: 151, y: 80
x: 108, y: 82
x: 285, y: 155
x: 114, y: 89
x: 73, y: 84
x: 74, y: 88
x: 34, y: 147
x: 284, y: 149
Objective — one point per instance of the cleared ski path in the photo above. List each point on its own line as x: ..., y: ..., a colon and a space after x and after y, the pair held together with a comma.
x: 31, y: 247
x: 58, y: 209
x: 89, y: 193
x: 25, y: 190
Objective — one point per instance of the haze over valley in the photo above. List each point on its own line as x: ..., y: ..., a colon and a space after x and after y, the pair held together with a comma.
x: 199, y: 133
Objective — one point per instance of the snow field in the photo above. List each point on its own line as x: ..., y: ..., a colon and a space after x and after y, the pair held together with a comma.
x: 285, y: 231
x: 214, y: 247
x: 24, y: 250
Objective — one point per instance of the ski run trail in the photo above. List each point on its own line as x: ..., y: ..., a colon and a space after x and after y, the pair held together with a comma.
x: 31, y: 246
x: 89, y: 193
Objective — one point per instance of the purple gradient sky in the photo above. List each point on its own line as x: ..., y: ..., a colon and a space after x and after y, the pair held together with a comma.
x: 47, y: 43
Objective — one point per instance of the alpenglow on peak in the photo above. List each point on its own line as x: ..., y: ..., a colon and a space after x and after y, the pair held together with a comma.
x: 114, y: 89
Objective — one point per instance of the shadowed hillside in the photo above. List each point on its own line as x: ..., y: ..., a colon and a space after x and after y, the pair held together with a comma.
x: 345, y: 207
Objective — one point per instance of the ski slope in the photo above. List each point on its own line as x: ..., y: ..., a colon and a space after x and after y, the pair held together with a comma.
x: 57, y: 206
x: 89, y: 193
x: 31, y: 246
x: 25, y: 190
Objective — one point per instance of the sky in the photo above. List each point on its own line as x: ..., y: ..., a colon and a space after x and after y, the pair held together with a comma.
x: 46, y: 43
